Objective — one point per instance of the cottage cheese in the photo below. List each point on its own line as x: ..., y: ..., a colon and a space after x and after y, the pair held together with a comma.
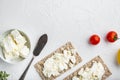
x: 94, y: 73
x: 14, y: 46
x: 58, y: 62
x: 9, y: 45
x: 18, y: 38
x: 24, y: 51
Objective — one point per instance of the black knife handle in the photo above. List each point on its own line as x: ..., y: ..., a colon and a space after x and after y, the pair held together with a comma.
x: 24, y: 73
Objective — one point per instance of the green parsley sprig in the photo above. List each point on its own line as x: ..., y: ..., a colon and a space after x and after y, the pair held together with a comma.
x: 3, y: 75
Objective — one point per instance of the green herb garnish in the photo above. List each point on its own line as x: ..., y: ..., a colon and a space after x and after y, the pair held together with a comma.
x: 3, y: 75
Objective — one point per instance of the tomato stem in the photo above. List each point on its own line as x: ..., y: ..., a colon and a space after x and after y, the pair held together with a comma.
x: 115, y: 38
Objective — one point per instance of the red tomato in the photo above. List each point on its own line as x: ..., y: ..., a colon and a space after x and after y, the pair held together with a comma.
x: 94, y: 39
x: 112, y: 36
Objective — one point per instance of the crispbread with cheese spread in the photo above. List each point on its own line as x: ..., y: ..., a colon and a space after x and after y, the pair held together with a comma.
x: 39, y: 66
x: 106, y: 73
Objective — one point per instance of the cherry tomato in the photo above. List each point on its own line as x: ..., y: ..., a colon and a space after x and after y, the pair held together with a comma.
x: 94, y: 39
x: 112, y: 36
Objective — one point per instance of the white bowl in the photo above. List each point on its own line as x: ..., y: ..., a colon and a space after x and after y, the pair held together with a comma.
x: 1, y: 50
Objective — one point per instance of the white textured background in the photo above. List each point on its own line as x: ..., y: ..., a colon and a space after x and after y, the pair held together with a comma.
x: 63, y: 20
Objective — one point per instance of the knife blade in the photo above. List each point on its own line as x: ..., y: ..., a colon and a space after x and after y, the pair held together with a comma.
x: 40, y: 45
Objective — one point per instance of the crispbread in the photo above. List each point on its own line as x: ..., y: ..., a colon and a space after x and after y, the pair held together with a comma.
x: 39, y: 66
x: 89, y: 64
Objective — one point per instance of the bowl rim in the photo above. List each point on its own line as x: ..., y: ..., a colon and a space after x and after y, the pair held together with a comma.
x: 28, y: 44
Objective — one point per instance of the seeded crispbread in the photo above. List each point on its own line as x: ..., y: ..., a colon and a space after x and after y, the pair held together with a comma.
x: 89, y: 64
x: 39, y: 65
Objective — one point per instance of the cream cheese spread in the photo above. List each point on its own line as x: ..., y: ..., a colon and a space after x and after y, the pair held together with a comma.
x: 59, y: 62
x: 94, y: 73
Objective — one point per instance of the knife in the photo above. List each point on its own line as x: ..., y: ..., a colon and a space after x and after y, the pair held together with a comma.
x: 40, y: 45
